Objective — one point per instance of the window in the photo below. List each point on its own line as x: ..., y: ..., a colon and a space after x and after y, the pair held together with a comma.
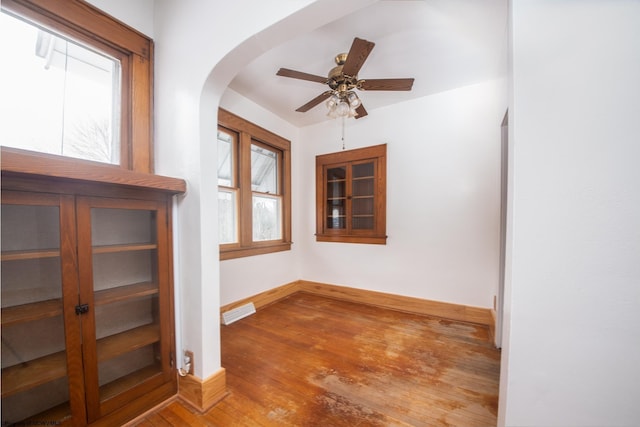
x: 70, y: 88
x: 254, y: 189
x: 351, y: 196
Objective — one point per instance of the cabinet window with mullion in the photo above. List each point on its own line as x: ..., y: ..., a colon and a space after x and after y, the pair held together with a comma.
x: 351, y: 196
x: 121, y: 243
x: 40, y: 335
x: 87, y: 323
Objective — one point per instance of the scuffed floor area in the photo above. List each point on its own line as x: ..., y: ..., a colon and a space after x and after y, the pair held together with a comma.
x: 314, y: 361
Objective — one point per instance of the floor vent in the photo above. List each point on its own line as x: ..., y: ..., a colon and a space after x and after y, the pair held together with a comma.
x: 238, y: 313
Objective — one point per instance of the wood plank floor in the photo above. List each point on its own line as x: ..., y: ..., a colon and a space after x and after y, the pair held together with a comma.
x: 315, y: 361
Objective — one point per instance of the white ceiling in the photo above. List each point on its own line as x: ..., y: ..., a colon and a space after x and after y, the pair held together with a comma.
x: 443, y: 44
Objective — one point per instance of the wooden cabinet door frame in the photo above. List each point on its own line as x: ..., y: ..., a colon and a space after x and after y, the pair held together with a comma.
x: 69, y: 291
x: 96, y: 408
x: 347, y: 159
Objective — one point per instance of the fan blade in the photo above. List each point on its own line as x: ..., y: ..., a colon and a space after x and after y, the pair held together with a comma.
x: 285, y: 72
x: 360, y: 50
x: 386, y: 84
x: 315, y: 101
x: 361, y: 112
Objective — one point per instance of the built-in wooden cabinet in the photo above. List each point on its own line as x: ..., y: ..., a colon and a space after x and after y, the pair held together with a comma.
x: 351, y: 196
x: 87, y: 320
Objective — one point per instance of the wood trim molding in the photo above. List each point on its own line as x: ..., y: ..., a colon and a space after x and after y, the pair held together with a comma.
x: 236, y: 123
x: 26, y: 163
x: 76, y: 13
x: 492, y: 326
x: 139, y: 418
x: 463, y: 313
x: 263, y: 299
x: 459, y: 312
x: 202, y: 395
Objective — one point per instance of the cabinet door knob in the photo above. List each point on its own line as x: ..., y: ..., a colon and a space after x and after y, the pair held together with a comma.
x: 82, y: 309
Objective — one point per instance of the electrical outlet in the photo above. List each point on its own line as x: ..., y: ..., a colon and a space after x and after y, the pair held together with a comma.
x: 188, y: 359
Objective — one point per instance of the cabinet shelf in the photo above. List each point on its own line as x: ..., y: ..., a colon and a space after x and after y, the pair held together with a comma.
x: 124, y: 248
x: 30, y: 374
x: 360, y: 178
x: 121, y: 293
x: 30, y: 254
x: 30, y: 312
x: 33, y: 373
x: 124, y: 342
x: 51, y: 416
x: 67, y: 242
x: 127, y: 382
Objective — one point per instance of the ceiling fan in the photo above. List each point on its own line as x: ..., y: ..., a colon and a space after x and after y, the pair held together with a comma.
x: 342, y: 100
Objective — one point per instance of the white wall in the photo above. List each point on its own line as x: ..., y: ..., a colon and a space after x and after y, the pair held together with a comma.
x: 443, y: 188
x: 199, y: 47
x: 243, y: 277
x: 572, y: 348
x: 137, y: 14
x: 450, y: 253
x: 191, y: 39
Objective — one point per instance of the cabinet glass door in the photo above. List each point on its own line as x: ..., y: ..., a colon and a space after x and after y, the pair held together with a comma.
x: 35, y: 381
x: 363, y: 196
x: 125, y: 277
x: 336, y: 197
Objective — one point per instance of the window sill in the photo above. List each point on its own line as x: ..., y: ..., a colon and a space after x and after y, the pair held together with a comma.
x: 19, y: 162
x: 375, y: 240
x: 233, y: 253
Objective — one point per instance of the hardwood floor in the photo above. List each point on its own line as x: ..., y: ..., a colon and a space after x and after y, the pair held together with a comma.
x: 314, y: 361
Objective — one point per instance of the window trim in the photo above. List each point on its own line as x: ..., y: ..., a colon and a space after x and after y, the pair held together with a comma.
x: 247, y: 134
x: 86, y: 23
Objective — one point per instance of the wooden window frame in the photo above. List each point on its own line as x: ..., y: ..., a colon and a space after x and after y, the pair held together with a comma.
x: 82, y: 21
x: 377, y: 235
x: 248, y: 134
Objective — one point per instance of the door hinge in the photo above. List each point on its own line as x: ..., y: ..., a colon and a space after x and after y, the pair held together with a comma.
x: 82, y: 309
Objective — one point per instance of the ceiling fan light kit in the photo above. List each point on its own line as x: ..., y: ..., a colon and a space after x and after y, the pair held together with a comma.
x: 343, y: 104
x: 341, y: 99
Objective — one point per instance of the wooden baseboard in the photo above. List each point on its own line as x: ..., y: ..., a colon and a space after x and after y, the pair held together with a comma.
x: 463, y: 313
x: 202, y: 395
x: 492, y: 326
x: 137, y: 420
x: 263, y: 299
x: 126, y: 413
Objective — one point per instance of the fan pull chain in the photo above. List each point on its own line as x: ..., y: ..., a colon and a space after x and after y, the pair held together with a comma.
x: 343, y: 132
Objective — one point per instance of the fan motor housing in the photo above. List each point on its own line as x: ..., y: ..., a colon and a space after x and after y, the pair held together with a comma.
x: 337, y: 80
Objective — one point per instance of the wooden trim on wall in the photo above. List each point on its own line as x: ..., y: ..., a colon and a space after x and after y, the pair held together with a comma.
x: 492, y: 327
x: 23, y: 163
x: 202, y: 395
x: 263, y: 299
x: 463, y: 313
x: 125, y: 414
x: 459, y: 312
